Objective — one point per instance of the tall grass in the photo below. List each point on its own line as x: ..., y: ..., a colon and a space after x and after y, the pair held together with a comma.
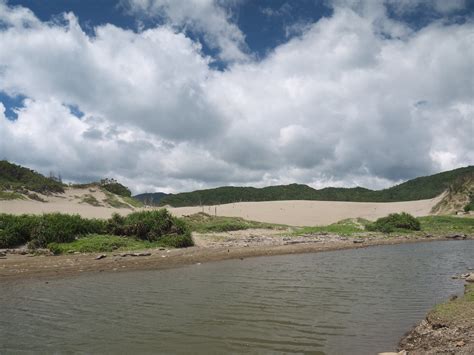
x: 41, y: 231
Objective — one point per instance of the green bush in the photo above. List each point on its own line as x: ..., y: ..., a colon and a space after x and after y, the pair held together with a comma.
x: 41, y: 231
x: 38, y: 231
x: 148, y: 225
x: 470, y: 205
x: 16, y: 230
x: 63, y: 228
x: 395, y: 221
x: 115, y: 187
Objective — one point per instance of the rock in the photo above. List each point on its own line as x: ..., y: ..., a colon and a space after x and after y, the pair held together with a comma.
x: 470, y: 278
x: 428, y: 236
x: 456, y: 236
x: 358, y: 241
x: 101, y: 256
x: 142, y: 254
x: 460, y: 343
x: 2, y: 254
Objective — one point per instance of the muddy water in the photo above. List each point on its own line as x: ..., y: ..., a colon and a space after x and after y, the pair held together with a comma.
x: 343, y: 302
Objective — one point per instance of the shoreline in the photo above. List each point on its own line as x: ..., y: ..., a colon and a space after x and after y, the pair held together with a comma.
x: 15, y: 267
x: 448, y: 328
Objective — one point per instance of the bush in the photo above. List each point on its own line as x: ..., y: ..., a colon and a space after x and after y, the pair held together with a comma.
x: 63, y: 228
x: 41, y: 231
x: 16, y: 230
x: 48, y: 228
x: 115, y: 187
x: 395, y: 221
x: 149, y: 225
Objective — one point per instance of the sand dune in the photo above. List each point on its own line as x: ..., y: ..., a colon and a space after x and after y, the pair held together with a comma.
x: 296, y: 213
x: 69, y: 202
x: 310, y: 213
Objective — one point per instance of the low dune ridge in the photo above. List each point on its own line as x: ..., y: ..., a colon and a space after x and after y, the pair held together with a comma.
x: 311, y: 213
x: 294, y: 213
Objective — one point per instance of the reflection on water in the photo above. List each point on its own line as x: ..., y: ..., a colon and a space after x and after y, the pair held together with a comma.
x: 353, y: 301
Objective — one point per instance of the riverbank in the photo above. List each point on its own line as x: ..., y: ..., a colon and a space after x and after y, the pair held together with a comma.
x: 209, y: 248
x: 447, y: 329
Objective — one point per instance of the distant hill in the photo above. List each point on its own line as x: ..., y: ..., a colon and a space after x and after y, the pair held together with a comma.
x: 151, y: 198
x: 416, y: 189
x: 16, y: 177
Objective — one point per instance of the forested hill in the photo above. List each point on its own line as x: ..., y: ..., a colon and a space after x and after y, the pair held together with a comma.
x: 416, y: 189
x: 13, y: 177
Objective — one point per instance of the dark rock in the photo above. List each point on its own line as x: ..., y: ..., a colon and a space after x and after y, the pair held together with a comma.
x: 358, y: 241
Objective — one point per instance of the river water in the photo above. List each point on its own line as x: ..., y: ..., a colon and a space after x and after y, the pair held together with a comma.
x: 343, y: 302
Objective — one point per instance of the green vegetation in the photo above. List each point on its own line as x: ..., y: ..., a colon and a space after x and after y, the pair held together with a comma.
x: 96, y: 243
x: 132, y: 201
x: 6, y: 195
x: 436, y: 225
x: 460, y: 309
x: 41, y: 231
x: 203, y: 223
x: 470, y: 205
x: 416, y: 189
x: 91, y: 200
x: 393, y: 222
x: 345, y: 227
x: 115, y: 187
x: 16, y: 178
x: 439, y: 225
x: 151, y: 198
x: 113, y: 201
x: 151, y: 226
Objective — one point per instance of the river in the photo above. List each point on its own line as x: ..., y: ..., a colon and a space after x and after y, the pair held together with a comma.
x: 357, y: 301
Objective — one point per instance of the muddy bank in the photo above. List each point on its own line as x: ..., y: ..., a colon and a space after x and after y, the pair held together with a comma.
x: 208, y: 248
x: 447, y: 329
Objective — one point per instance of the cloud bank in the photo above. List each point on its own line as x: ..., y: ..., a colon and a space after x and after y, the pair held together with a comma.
x: 357, y: 99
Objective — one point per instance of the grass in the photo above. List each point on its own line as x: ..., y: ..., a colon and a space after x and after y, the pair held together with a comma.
x: 345, y: 227
x: 91, y: 200
x: 436, y: 225
x: 203, y: 223
x: 447, y: 224
x: 460, y: 309
x: 132, y: 201
x: 96, y: 243
x: 113, y: 201
x: 4, y: 195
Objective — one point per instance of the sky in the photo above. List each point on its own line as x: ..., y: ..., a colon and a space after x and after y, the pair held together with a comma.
x: 179, y: 95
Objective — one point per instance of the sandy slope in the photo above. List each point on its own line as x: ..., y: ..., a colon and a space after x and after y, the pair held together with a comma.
x: 296, y: 213
x: 308, y: 213
x: 69, y: 202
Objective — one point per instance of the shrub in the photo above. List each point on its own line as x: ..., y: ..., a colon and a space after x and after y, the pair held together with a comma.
x: 115, y: 187
x: 149, y: 225
x: 63, y: 228
x: 395, y: 221
x: 48, y: 228
x: 16, y: 230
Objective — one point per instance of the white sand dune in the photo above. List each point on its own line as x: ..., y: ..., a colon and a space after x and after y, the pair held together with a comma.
x: 296, y: 213
x: 311, y: 213
x: 69, y: 202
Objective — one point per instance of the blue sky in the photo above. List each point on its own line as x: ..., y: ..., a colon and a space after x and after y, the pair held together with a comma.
x: 177, y: 95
